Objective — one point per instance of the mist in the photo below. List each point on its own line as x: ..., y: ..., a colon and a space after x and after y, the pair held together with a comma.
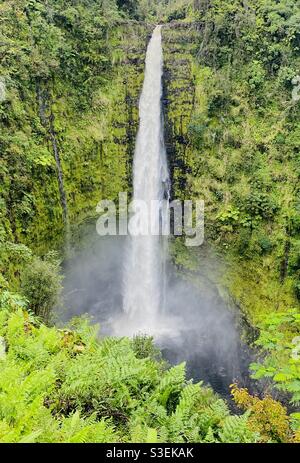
x: 197, y: 326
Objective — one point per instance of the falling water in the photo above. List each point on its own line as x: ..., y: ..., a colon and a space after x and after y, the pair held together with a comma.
x: 144, y: 279
x: 195, y: 325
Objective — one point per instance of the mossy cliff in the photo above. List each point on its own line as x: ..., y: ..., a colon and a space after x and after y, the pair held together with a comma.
x: 68, y: 122
x: 178, y: 99
x: 236, y: 149
x: 70, y: 80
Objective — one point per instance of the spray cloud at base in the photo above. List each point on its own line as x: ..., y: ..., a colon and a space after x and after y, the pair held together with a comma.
x: 205, y: 331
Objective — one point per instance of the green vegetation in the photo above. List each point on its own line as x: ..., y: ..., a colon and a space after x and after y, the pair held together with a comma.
x: 234, y: 142
x: 279, y: 339
x: 70, y: 386
x: 69, y: 116
x: 70, y: 77
x: 41, y: 285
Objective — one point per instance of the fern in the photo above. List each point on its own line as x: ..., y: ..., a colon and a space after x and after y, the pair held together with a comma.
x: 188, y: 398
x: 103, y: 392
x: 171, y: 382
x: 174, y: 376
x: 235, y: 430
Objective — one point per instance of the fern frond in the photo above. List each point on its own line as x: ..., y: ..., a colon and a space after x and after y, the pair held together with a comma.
x: 235, y: 430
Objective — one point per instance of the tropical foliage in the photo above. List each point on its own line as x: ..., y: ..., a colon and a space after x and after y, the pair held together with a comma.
x: 70, y: 77
x: 69, y: 385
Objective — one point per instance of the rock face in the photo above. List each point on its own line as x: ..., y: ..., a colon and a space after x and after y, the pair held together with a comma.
x: 179, y: 98
x: 82, y: 143
x: 97, y: 161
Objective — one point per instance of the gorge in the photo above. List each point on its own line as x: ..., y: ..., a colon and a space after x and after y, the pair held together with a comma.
x: 94, y: 103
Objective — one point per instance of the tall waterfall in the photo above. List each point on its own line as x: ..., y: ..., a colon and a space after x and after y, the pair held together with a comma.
x: 144, y: 278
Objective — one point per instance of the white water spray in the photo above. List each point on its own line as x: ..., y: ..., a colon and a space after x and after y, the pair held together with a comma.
x: 144, y: 272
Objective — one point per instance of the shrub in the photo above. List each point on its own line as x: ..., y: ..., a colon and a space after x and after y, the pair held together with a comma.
x: 279, y: 340
x: 41, y: 285
x: 266, y: 416
x: 265, y: 244
x: 256, y: 75
x: 260, y: 204
x: 144, y: 347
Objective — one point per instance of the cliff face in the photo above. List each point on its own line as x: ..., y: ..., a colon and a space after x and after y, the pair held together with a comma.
x: 70, y: 148
x: 231, y: 146
x: 179, y: 99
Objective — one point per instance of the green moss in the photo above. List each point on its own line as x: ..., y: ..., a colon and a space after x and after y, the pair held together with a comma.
x: 95, y: 136
x: 229, y: 146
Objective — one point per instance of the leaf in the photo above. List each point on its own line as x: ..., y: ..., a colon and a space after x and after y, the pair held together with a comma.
x: 30, y: 438
x: 151, y: 436
x: 281, y: 377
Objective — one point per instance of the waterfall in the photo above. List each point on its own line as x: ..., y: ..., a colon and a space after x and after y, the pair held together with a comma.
x: 144, y: 270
